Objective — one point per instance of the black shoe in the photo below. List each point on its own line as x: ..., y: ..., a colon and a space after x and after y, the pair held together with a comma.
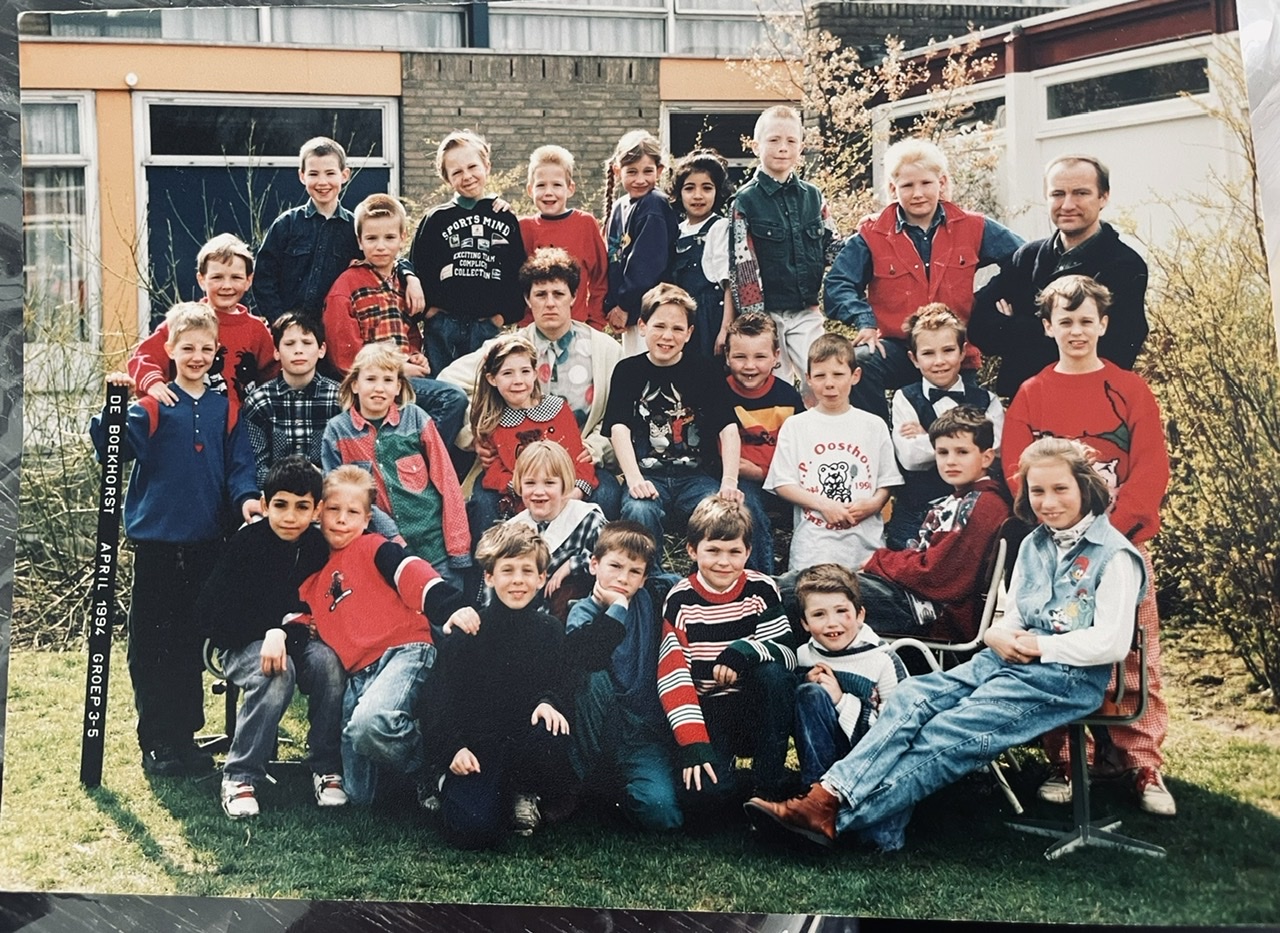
x: 195, y: 760
x: 162, y: 761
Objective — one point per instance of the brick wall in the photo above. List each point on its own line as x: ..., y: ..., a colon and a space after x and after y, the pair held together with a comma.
x: 582, y: 102
x: 861, y: 23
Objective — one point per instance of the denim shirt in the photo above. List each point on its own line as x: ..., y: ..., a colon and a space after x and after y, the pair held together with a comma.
x: 301, y: 257
x: 790, y: 238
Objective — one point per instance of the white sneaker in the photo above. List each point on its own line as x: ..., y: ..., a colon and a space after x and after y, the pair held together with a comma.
x: 1153, y: 796
x: 238, y: 800
x: 328, y: 788
x: 525, y: 817
x: 1057, y: 789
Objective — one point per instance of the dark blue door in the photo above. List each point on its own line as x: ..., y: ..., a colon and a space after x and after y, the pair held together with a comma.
x: 189, y: 204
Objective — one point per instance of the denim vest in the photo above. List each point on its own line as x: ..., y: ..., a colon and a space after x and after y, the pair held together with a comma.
x: 708, y: 296
x: 790, y: 239
x: 1054, y: 601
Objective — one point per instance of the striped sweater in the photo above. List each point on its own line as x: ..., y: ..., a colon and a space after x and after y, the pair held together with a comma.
x: 698, y: 626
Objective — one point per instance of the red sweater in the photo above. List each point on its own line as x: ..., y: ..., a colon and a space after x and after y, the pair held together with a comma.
x: 359, y: 614
x: 246, y: 358
x: 578, y: 234
x: 550, y: 420
x: 945, y: 565
x: 1113, y: 411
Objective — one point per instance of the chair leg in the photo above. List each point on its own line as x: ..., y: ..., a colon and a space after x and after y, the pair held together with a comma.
x: 997, y: 771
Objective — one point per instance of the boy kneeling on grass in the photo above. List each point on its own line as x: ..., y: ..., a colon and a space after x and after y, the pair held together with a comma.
x: 502, y: 692
x: 252, y: 588
x: 372, y: 602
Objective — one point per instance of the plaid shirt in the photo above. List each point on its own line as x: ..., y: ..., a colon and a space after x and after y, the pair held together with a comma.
x: 571, y: 536
x: 281, y: 420
x: 363, y: 307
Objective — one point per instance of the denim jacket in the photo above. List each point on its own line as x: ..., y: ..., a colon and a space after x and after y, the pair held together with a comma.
x: 791, y: 239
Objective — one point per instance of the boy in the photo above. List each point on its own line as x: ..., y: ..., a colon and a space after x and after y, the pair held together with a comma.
x: 372, y: 602
x: 241, y: 607
x: 936, y: 342
x: 717, y: 625
x: 931, y: 588
x: 245, y: 356
x: 504, y: 734
x: 307, y: 247
x: 288, y: 415
x: 922, y: 248
x: 761, y: 403
x: 469, y: 253
x: 849, y: 673
x: 834, y: 464
x: 665, y: 410
x: 174, y: 514
x: 620, y: 727
x: 368, y: 304
x: 1113, y: 411
x: 782, y: 239
x: 577, y: 232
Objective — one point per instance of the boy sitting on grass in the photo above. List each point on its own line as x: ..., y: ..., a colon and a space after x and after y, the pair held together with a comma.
x: 502, y: 692
x: 252, y: 588
x: 621, y: 736
x: 372, y: 602
x: 718, y: 623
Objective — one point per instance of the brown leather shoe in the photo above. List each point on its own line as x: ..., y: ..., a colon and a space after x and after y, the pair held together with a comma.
x: 812, y: 816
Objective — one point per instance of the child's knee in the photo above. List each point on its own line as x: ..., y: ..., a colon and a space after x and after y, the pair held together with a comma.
x: 651, y: 805
x: 371, y: 731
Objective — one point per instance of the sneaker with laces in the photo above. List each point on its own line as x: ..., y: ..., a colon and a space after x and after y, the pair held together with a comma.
x: 1153, y: 796
x: 238, y: 800
x: 1057, y: 789
x: 525, y: 817
x: 328, y: 788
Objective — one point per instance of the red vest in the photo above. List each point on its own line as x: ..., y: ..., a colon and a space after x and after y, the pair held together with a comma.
x: 898, y: 285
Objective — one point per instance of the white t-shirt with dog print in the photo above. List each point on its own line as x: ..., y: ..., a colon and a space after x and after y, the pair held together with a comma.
x: 843, y: 457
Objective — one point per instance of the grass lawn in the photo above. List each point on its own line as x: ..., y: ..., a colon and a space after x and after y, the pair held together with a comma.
x: 169, y: 836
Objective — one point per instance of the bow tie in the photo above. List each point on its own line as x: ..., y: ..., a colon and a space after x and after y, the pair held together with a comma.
x: 938, y: 394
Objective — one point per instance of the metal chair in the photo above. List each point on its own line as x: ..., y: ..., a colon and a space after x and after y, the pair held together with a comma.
x: 1083, y: 830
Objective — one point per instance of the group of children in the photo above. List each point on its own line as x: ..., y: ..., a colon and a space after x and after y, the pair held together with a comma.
x: 563, y: 665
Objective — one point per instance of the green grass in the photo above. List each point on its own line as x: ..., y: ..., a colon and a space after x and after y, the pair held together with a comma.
x: 168, y: 836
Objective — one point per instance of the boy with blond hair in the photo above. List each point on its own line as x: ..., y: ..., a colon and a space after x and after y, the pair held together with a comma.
x: 922, y: 248
x: 307, y: 247
x: 781, y: 239
x: 245, y: 356
x: 175, y: 515
x: 577, y: 232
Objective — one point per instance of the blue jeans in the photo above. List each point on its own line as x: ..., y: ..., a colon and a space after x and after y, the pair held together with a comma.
x: 379, y: 729
x: 757, y: 502
x: 820, y: 741
x: 938, y: 727
x: 318, y: 673
x: 607, y: 494
x: 445, y: 403
x: 754, y: 722
x: 449, y: 336
x: 679, y: 493
x: 640, y: 756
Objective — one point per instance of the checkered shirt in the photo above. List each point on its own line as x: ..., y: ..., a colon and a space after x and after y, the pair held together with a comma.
x: 283, y: 421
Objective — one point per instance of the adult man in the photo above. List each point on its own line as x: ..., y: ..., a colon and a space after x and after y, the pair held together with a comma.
x: 1004, y: 321
x: 574, y: 361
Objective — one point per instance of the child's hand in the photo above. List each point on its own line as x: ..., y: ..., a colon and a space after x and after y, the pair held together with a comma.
x: 416, y: 364
x: 160, y: 392
x: 1007, y: 644
x: 465, y: 762
x: 822, y: 675
x: 251, y: 510
x: 486, y: 451
x: 1028, y: 644
x: 124, y: 379
x: 413, y: 294
x: 617, y: 319
x: 501, y: 204
x: 911, y: 429
x: 869, y: 337
x: 465, y: 620
x: 273, y: 653
x: 557, y: 579
x: 721, y: 339
x: 729, y: 490
x: 643, y: 489
x: 1004, y: 307
x: 584, y: 456
x: 607, y: 598
x: 553, y: 719
x: 693, y: 776
x: 724, y: 675
x: 497, y: 321
x: 834, y: 513
x: 431, y: 312
x: 859, y: 509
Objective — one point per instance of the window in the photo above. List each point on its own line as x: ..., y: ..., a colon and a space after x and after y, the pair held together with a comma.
x: 615, y: 35
x: 719, y: 130
x: 58, y: 290
x: 1127, y: 88
x: 188, y: 129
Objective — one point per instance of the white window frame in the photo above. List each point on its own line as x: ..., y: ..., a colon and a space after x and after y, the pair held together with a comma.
x: 715, y: 106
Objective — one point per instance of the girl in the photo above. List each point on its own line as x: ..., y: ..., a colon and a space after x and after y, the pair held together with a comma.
x: 700, y: 190
x: 543, y: 476
x: 641, y: 233
x: 1070, y: 617
x: 509, y: 411
x: 418, y: 496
